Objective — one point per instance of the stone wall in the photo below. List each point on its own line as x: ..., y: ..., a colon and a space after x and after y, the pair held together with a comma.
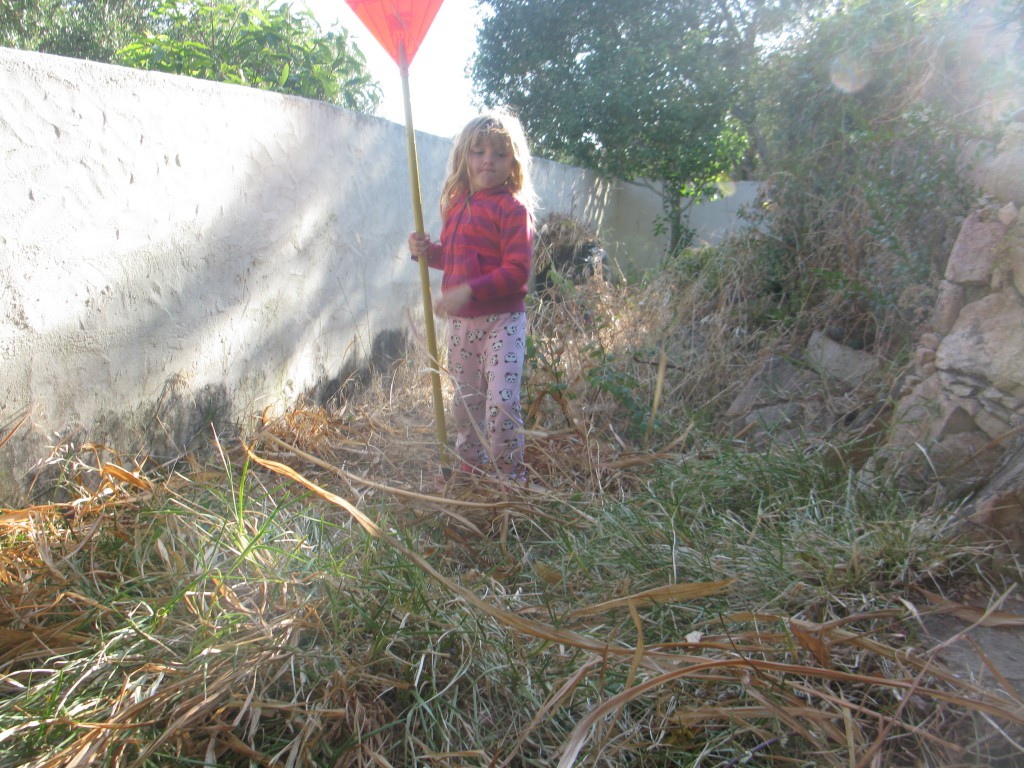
x: 960, y: 421
x: 956, y: 429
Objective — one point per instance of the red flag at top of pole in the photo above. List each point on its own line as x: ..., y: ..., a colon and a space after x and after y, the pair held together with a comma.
x: 397, y: 22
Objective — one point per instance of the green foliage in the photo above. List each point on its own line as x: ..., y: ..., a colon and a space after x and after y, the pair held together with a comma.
x: 799, y: 527
x: 237, y: 41
x: 82, y: 29
x: 607, y: 375
x: 230, y: 41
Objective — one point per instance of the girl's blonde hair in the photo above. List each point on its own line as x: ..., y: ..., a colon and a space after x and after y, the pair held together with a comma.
x: 505, y: 131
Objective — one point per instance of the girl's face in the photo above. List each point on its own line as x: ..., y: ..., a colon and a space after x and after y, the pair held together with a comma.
x: 490, y: 163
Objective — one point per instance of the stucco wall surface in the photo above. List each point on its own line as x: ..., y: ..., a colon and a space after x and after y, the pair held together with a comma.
x: 627, y: 228
x: 176, y: 253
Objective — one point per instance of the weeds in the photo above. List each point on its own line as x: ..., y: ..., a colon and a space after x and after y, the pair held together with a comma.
x: 660, y: 594
x: 708, y: 607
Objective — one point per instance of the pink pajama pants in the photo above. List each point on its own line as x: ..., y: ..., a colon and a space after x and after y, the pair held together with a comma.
x: 485, y: 358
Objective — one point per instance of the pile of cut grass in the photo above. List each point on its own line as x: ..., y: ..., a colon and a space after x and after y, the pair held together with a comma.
x: 308, y: 599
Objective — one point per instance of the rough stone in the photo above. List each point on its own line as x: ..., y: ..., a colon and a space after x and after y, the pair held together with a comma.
x: 1001, y: 404
x: 930, y: 341
x: 987, y: 342
x: 931, y: 415
x: 957, y: 420
x: 961, y: 389
x: 916, y: 413
x: 999, y: 508
x: 1001, y: 278
x: 1001, y: 517
x: 777, y: 381
x: 1015, y: 254
x: 965, y: 461
x: 924, y: 361
x: 975, y: 251
x: 973, y: 650
x: 960, y: 463
x: 775, y: 417
x: 992, y: 424
x: 1008, y: 214
x: 947, y: 307
x: 1003, y: 175
x: 839, y: 362
x: 907, y: 384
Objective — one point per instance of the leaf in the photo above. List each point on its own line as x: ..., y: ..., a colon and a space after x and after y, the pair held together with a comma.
x: 980, y: 616
x: 673, y: 593
x: 551, y: 575
x: 813, y: 642
x: 122, y: 474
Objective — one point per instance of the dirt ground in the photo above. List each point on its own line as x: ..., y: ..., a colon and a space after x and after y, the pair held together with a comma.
x: 981, y: 641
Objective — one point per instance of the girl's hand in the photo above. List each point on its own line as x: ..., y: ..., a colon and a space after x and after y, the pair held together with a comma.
x: 453, y: 300
x: 419, y: 244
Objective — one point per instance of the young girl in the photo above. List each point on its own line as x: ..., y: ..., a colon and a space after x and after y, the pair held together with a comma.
x: 485, y: 252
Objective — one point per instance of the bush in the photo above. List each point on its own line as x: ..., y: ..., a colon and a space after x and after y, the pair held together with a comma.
x: 565, y: 249
x: 863, y: 140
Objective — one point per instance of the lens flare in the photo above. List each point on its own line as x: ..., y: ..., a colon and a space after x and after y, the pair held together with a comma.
x: 848, y: 74
x: 726, y: 188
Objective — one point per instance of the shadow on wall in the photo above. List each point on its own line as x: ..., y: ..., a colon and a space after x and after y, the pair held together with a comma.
x: 389, y: 348
x: 179, y: 425
x: 180, y: 422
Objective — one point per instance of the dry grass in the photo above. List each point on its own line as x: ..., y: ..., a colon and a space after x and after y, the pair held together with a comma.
x: 310, y: 599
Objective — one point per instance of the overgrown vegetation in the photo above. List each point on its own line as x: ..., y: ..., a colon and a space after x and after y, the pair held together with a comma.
x: 306, y: 602
x: 76, y: 28
x: 865, y: 128
x: 656, y: 86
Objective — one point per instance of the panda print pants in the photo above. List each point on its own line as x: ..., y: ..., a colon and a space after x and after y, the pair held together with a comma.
x: 485, y: 359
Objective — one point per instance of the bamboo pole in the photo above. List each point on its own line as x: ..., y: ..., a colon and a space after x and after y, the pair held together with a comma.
x: 417, y: 210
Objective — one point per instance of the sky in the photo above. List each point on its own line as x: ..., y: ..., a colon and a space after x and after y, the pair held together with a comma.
x: 439, y: 88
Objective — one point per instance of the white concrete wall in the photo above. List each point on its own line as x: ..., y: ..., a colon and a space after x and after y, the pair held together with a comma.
x: 633, y: 210
x: 175, y: 252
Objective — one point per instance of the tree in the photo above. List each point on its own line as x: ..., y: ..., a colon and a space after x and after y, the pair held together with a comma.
x: 641, y: 90
x: 237, y: 41
x: 232, y: 41
x: 82, y: 29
